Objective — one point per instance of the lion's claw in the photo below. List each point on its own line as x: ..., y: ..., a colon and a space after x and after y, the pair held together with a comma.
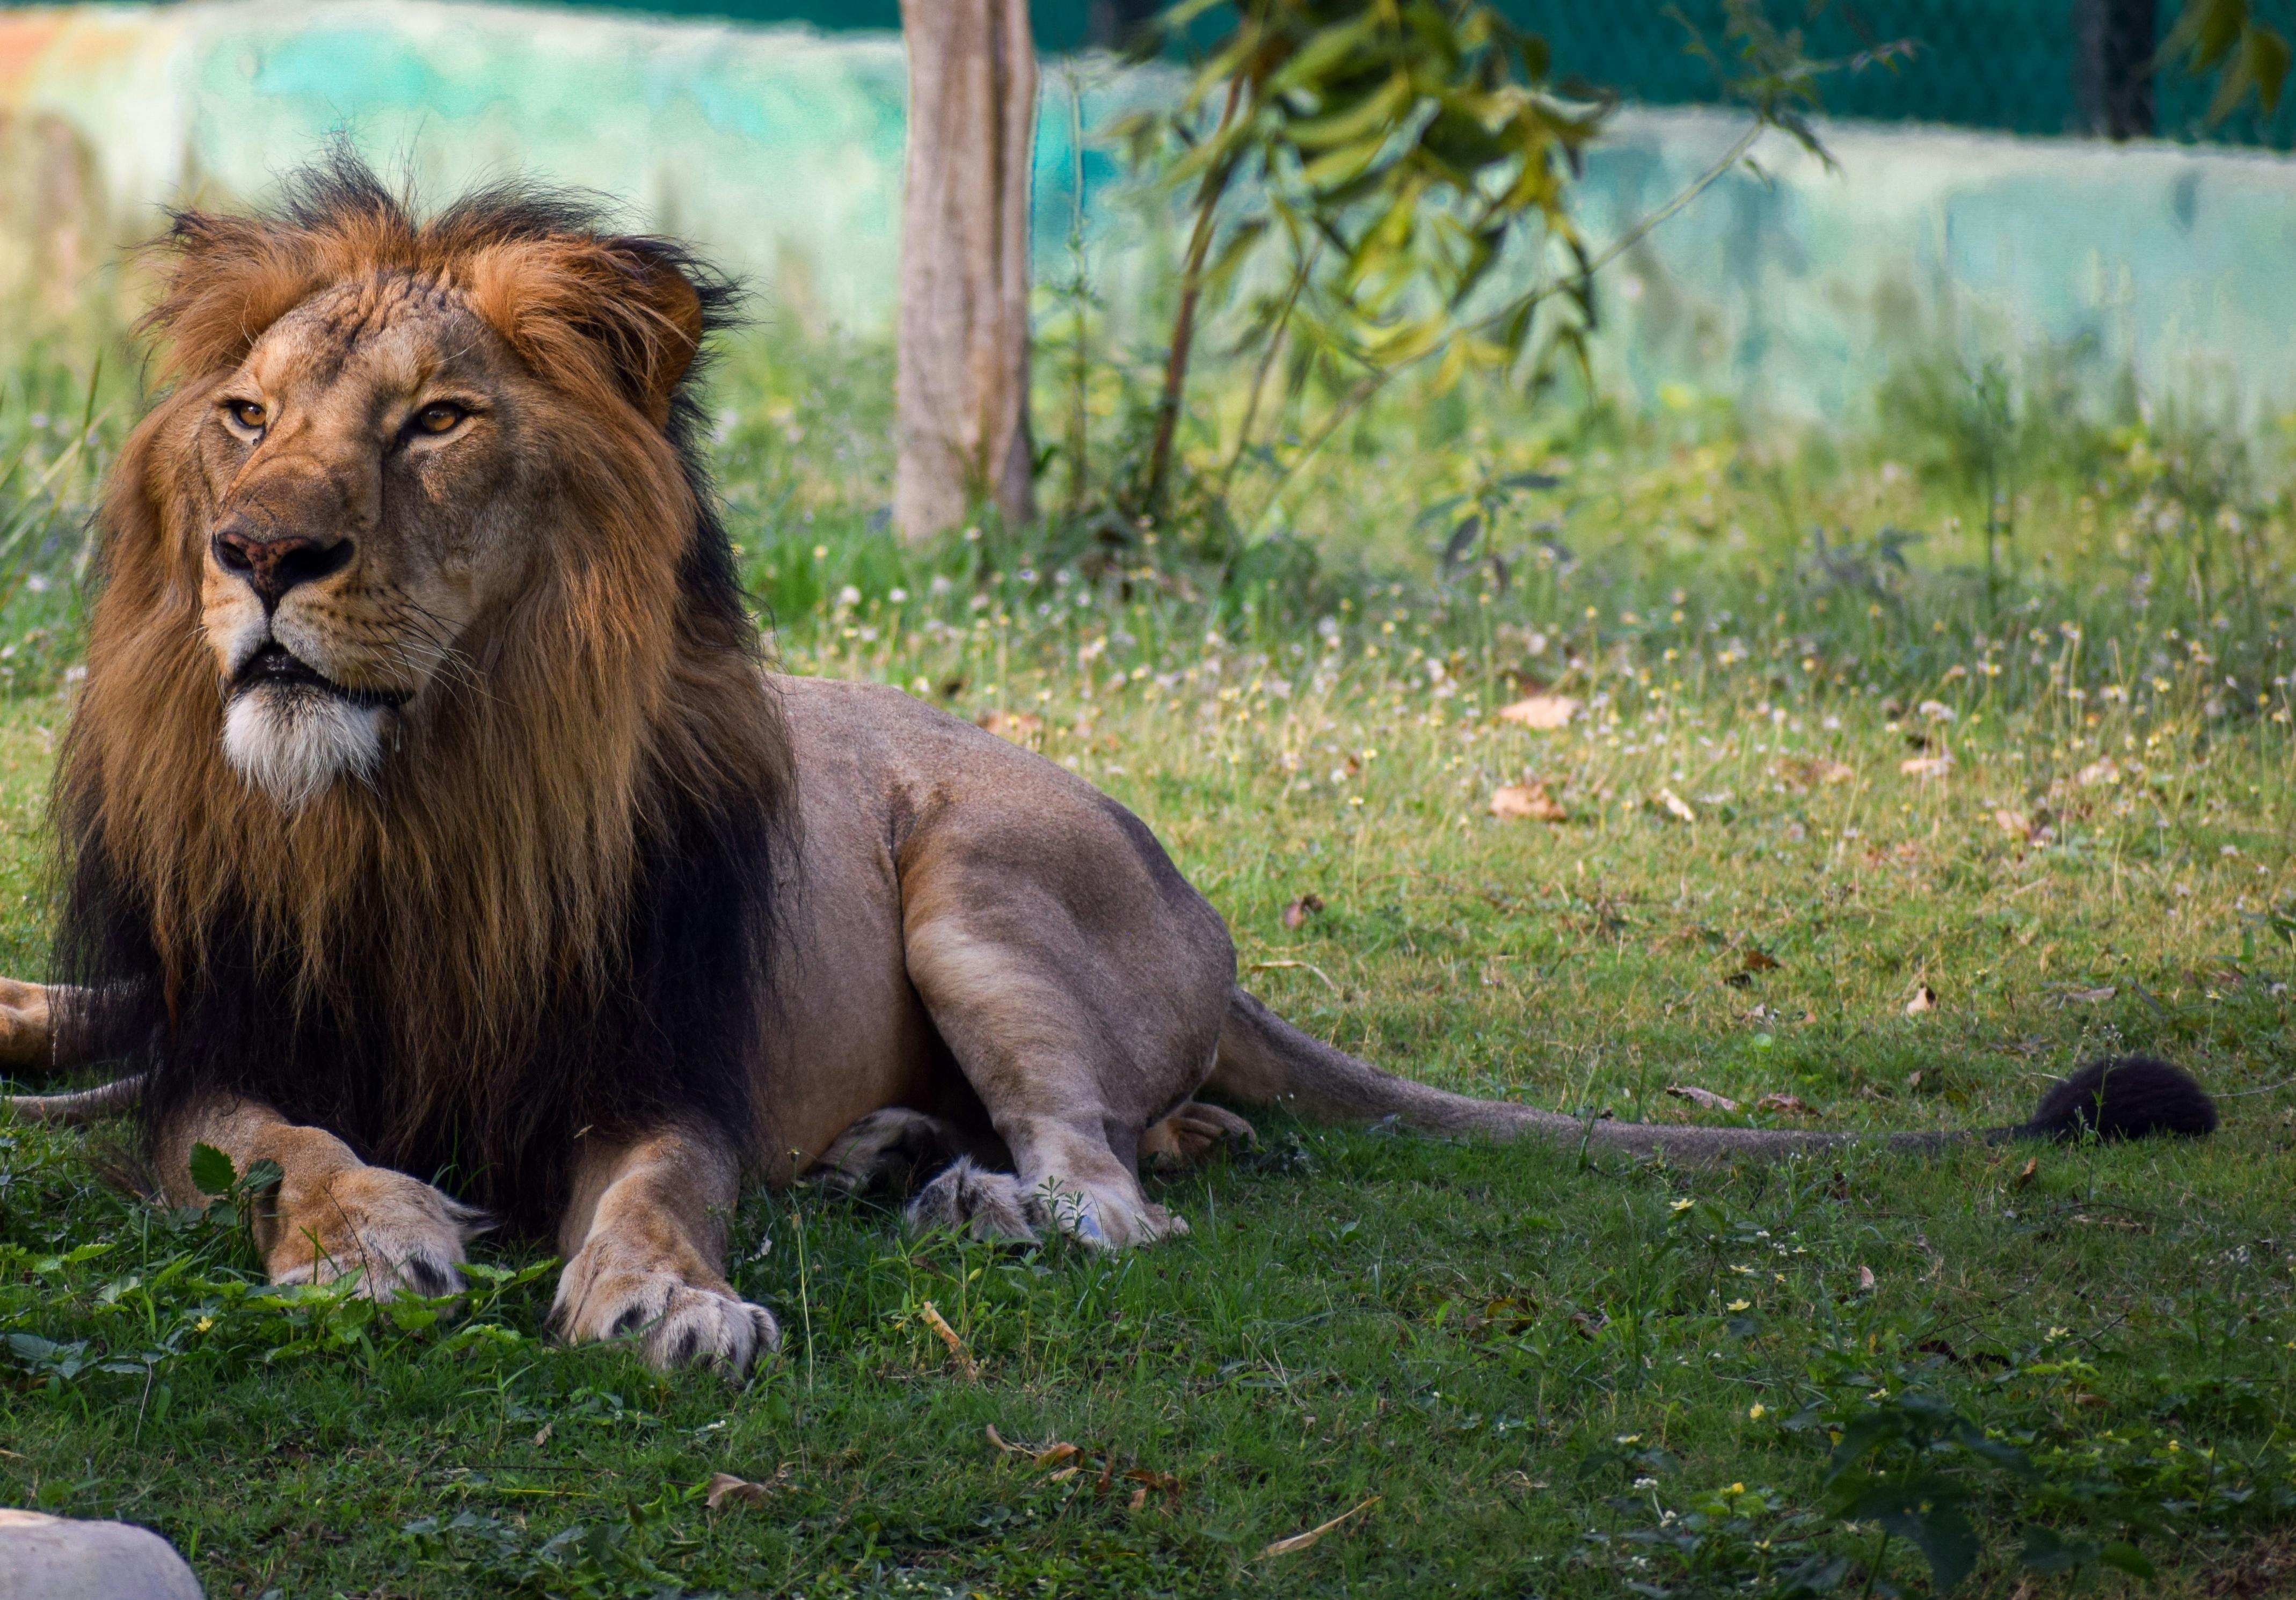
x: 675, y: 1323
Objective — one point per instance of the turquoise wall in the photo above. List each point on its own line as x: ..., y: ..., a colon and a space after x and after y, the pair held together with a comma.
x: 1792, y: 287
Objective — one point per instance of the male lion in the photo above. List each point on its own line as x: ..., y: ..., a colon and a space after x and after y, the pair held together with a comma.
x: 427, y: 810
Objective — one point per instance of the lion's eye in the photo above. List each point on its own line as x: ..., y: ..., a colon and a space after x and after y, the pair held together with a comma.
x: 439, y: 417
x: 248, y: 414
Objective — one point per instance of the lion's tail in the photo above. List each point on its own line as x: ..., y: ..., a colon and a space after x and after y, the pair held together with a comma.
x: 86, y: 1105
x: 1266, y: 1061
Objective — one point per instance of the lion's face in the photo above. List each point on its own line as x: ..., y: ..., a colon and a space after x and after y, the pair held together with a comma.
x: 369, y: 510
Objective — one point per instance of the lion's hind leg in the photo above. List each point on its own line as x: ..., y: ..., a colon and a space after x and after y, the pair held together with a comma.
x: 1192, y: 1135
x: 1075, y: 1047
x: 888, y: 1151
x: 1069, y: 1178
x: 968, y: 1198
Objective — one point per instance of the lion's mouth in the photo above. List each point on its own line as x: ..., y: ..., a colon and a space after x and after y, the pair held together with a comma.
x: 274, y: 663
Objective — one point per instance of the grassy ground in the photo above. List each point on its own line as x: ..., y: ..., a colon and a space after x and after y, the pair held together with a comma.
x: 1512, y: 1371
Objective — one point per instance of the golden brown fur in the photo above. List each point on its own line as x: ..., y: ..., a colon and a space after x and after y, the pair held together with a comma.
x: 499, y: 865
x: 508, y: 909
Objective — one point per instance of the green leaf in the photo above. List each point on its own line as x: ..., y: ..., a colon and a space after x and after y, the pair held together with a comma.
x: 2048, y: 1551
x: 1372, y: 113
x: 1462, y: 542
x: 1325, y: 49
x: 2128, y: 1558
x: 1343, y: 166
x: 2267, y: 59
x: 212, y: 1172
x: 2205, y: 31
x: 1241, y: 239
x: 1439, y: 510
x: 1942, y: 1533
x: 264, y: 1173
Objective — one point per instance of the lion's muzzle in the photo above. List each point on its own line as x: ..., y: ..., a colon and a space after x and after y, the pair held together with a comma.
x: 276, y: 664
x: 271, y: 565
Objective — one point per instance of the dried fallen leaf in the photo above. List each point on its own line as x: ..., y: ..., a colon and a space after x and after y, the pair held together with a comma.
x: 2107, y: 771
x: 1706, y: 1097
x: 1758, y: 960
x: 1301, y: 1541
x: 2091, y: 996
x: 1924, y: 999
x: 1020, y: 728
x: 1529, y: 800
x: 1542, y: 711
x: 1864, y: 1278
x: 1785, y: 1105
x: 1675, y: 805
x: 1809, y: 771
x: 1296, y: 915
x: 2026, y: 1173
x: 1038, y: 1456
x: 1926, y: 767
x: 957, y: 1352
x: 741, y: 1491
x: 1162, y: 1483
x: 2015, y: 823
x: 542, y: 1435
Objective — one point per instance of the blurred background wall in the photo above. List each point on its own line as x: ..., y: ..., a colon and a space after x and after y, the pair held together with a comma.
x: 775, y: 143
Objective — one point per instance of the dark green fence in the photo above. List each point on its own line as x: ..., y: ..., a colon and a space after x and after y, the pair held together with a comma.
x: 2024, y: 66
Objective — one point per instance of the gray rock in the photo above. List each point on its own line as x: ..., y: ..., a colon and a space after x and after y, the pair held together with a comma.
x: 55, y: 1558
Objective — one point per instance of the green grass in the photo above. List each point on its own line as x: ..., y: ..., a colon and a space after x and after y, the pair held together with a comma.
x: 1545, y: 1373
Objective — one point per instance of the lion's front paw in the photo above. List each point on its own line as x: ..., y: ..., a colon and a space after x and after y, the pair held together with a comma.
x: 603, y: 1294
x: 396, y: 1232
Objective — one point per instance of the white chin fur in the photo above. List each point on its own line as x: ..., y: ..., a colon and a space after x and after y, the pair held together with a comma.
x: 293, y: 742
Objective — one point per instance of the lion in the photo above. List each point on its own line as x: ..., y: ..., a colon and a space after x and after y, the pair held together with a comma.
x: 431, y: 826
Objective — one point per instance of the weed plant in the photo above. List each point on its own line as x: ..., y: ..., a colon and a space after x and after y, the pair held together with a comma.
x: 1858, y: 837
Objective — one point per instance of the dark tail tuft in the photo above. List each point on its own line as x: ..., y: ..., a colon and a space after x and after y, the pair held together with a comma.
x: 2126, y: 1098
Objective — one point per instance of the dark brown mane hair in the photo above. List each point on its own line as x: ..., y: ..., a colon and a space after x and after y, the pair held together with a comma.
x: 552, y: 912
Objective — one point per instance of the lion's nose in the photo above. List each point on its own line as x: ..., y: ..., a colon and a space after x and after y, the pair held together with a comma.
x: 274, y: 565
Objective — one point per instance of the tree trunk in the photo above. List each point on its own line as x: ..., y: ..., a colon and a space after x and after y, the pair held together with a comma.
x: 961, y: 395
x: 2114, y: 42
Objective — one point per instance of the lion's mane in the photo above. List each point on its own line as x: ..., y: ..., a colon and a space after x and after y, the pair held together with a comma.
x: 551, y: 913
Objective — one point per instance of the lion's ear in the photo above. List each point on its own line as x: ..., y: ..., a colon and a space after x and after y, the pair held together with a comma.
x: 626, y: 313
x: 226, y: 280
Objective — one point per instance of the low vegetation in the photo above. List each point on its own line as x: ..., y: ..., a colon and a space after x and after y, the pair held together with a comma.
x: 1847, y: 830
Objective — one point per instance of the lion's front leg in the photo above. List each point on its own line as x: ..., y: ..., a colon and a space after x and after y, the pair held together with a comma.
x: 332, y: 1214
x: 644, y: 1243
